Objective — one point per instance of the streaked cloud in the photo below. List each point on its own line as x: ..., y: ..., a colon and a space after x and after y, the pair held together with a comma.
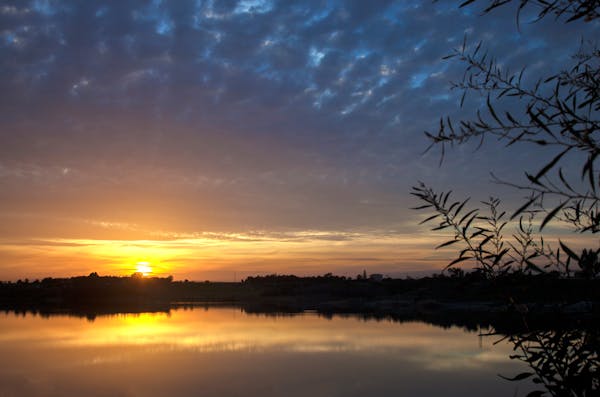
x: 137, y: 120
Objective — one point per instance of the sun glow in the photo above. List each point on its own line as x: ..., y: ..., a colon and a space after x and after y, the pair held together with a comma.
x: 218, y: 256
x: 144, y: 268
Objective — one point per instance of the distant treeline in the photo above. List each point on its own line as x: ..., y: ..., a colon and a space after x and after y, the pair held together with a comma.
x: 300, y: 291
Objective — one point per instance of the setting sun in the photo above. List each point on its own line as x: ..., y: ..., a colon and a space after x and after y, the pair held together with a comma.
x: 143, y: 267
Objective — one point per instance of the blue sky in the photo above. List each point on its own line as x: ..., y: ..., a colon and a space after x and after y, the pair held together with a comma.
x: 128, y: 120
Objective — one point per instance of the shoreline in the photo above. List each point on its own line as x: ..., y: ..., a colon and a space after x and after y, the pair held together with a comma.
x: 440, y: 297
x: 468, y: 315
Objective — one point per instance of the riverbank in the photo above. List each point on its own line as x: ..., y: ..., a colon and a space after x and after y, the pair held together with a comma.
x: 470, y: 296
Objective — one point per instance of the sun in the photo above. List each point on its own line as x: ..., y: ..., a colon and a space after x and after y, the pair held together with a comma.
x: 143, y: 267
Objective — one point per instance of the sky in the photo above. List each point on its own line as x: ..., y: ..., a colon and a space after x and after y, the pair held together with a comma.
x: 220, y: 139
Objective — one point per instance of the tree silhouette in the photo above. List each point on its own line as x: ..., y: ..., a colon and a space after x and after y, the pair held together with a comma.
x: 562, y: 362
x: 559, y: 113
x: 570, y: 9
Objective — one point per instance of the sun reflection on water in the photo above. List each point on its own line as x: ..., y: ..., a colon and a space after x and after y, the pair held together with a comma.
x: 229, y: 329
x: 188, y: 350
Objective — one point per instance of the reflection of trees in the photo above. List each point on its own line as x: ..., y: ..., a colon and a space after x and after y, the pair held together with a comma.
x: 564, y: 362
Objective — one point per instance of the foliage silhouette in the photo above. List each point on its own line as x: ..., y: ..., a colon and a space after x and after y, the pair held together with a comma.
x: 559, y: 112
x: 572, y: 10
x: 565, y: 362
x: 480, y: 235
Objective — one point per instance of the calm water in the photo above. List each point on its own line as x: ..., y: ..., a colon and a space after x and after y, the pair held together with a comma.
x: 225, y: 352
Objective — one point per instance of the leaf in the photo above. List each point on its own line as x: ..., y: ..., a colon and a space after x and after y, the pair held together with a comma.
x: 457, y: 260
x: 466, y: 3
x: 462, y: 98
x: 460, y: 207
x: 533, y: 180
x: 447, y: 243
x: 552, y: 214
x: 493, y: 112
x: 568, y: 251
x: 511, y: 118
x: 539, y: 123
x: 524, y: 206
x: 533, y: 266
x: 466, y: 226
x: 589, y: 166
x: 498, y: 257
x: 485, y: 240
x: 521, y: 376
x: 421, y: 207
x: 551, y: 164
x: 477, y: 233
x: 578, y: 16
x: 465, y: 216
x: 429, y: 219
x: 444, y: 198
x: 564, y: 181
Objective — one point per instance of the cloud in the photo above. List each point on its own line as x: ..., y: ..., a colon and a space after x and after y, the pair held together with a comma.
x: 230, y: 116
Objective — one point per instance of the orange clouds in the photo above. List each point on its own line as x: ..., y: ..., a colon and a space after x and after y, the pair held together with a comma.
x: 218, y: 255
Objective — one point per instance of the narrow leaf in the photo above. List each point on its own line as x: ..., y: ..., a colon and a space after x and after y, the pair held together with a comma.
x: 458, y: 260
x: 552, y: 214
x: 524, y: 206
x: 421, y: 207
x: 551, y: 164
x: 568, y: 251
x: 521, y: 376
x: 447, y: 243
x: 429, y: 219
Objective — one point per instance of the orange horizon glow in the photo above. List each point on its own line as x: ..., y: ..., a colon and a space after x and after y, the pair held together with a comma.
x: 230, y: 257
x: 221, y: 257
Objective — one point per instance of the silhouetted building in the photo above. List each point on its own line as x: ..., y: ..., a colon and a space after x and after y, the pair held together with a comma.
x: 376, y: 277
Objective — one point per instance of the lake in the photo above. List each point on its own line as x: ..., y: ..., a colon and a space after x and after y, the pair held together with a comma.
x: 223, y: 351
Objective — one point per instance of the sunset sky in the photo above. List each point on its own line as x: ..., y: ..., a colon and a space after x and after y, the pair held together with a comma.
x: 220, y: 139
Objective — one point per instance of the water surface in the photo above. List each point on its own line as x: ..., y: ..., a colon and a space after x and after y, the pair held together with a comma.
x: 226, y: 352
